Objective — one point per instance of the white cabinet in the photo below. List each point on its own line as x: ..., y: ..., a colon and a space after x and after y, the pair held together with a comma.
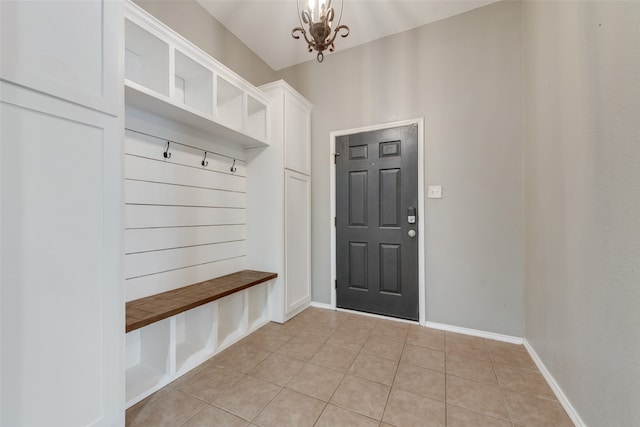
x: 297, y: 238
x: 279, y: 202
x: 62, y: 222
x: 169, y: 76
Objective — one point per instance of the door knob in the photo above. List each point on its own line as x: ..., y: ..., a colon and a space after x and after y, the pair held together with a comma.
x: 412, y: 233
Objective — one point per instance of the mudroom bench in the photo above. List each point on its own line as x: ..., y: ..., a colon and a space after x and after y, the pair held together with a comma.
x: 170, y: 333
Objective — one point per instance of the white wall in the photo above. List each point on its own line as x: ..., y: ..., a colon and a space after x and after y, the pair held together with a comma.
x: 184, y: 223
x: 582, y: 168
x: 463, y: 76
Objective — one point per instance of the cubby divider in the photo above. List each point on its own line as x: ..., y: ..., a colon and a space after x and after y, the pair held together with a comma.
x: 148, y: 358
x: 232, y: 322
x: 169, y: 76
x: 195, y: 334
x: 167, y: 349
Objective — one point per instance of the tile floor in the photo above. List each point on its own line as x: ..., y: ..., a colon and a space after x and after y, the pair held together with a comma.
x: 329, y: 368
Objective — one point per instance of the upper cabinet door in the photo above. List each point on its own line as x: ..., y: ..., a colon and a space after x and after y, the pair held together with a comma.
x: 297, y: 135
x: 41, y: 50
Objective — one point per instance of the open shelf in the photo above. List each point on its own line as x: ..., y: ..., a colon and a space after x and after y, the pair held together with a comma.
x: 256, y: 124
x: 231, y: 319
x: 148, y: 358
x: 167, y: 75
x: 146, y: 59
x: 229, y: 103
x: 139, y: 97
x: 193, y: 84
x: 257, y: 306
x: 194, y: 336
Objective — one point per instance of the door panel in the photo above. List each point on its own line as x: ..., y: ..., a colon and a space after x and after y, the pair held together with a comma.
x: 376, y: 184
x: 297, y: 241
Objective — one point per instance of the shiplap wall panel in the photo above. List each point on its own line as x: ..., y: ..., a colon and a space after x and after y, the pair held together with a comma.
x: 149, y: 285
x: 153, y: 193
x: 141, y: 216
x: 144, y: 169
x: 153, y: 148
x: 184, y: 222
x: 150, y: 239
x: 145, y: 263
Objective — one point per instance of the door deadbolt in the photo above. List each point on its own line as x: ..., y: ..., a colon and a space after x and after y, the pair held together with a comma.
x: 411, y: 216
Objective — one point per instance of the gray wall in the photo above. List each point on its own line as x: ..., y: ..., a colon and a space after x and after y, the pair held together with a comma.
x: 463, y: 76
x: 582, y: 168
x: 193, y: 22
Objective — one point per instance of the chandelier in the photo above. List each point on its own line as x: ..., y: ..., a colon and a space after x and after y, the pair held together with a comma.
x: 319, y: 16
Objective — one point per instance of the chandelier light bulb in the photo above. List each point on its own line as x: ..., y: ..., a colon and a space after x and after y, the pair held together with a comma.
x: 318, y: 33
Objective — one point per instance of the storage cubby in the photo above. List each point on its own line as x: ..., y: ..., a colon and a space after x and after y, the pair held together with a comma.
x: 256, y: 124
x: 229, y: 103
x: 194, y: 336
x: 257, y: 306
x: 146, y: 59
x: 193, y: 84
x: 148, y: 358
x: 231, y: 319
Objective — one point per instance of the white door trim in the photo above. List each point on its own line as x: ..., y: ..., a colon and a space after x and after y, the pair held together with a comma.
x: 421, y: 205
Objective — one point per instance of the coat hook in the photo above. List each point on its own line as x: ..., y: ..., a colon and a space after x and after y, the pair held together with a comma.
x: 204, y: 161
x: 167, y: 154
x: 233, y: 166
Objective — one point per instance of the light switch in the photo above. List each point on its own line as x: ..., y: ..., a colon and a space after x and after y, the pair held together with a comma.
x: 434, y: 192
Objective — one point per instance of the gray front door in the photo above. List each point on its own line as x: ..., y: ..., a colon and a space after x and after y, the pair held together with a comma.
x: 376, y: 221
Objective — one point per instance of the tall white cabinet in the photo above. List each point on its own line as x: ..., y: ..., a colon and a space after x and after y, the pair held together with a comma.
x: 61, y: 289
x: 279, y: 202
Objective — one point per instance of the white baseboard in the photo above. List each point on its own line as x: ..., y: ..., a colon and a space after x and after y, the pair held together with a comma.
x: 321, y: 305
x: 562, y: 398
x: 474, y: 332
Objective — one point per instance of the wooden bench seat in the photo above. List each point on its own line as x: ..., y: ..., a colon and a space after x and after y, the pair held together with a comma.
x: 144, y: 311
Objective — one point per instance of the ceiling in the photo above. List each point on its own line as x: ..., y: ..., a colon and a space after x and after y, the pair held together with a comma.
x: 265, y: 25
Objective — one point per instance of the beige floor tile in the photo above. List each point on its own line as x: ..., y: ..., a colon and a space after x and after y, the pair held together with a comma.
x: 277, y: 369
x: 169, y: 408
x: 390, y: 332
x: 517, y: 356
x: 269, y: 340
x: 361, y: 321
x: 212, y: 416
x: 536, y: 412
x: 470, y: 368
x: 331, y: 319
x: 334, y: 416
x: 386, y: 349
x: 362, y: 396
x: 247, y: 397
x: 292, y: 327
x: 344, y: 339
x: 316, y: 381
x: 426, y: 337
x: 334, y: 357
x: 523, y: 381
x: 207, y: 383
x: 480, y: 397
x: 374, y: 368
x: 290, y: 409
x: 241, y: 358
x: 465, y: 344
x: 300, y: 348
x: 316, y: 332
x: 420, y: 381
x: 460, y: 417
x: 354, y: 330
x: 423, y: 357
x: 408, y: 409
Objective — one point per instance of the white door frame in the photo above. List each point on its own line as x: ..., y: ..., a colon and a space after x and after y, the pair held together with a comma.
x: 421, y: 205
